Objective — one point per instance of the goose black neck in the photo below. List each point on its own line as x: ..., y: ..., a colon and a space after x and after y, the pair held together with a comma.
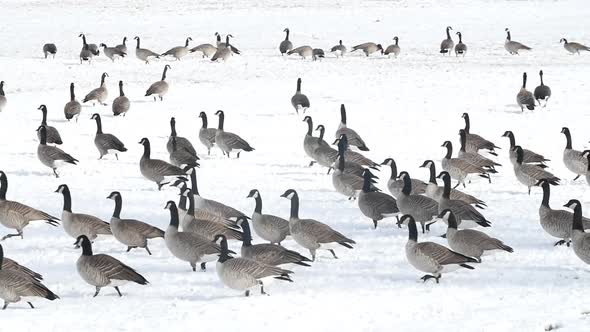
x: 227, y: 41
x: 508, y: 35
x: 519, y: 156
x: 452, y: 222
x: 121, y: 93
x: 174, y: 216
x: 146, y: 150
x: 204, y: 120
x: 86, y: 247
x: 173, y: 127
x: 118, y: 206
x: 2, y: 89
x: 221, y: 120
x: 137, y: 43
x: 523, y: 81
x: 72, y: 95
x: 396, y: 41
x: 413, y: 231
x: 460, y: 39
x: 462, y: 140
x: 309, y: 128
x: 186, y: 42
x: 299, y: 85
x: 541, y: 76
x: 578, y: 225
x: 546, y: 194
x: 124, y: 41
x: 393, y: 170
x: 322, y: 129
x: 44, y: 121
x: 3, y: 186
x: 98, y: 124
x: 448, y: 34
x: 258, y: 207
x: 447, y: 186
x: 295, y: 207
x: 467, y: 123
x: 432, y: 170
x: 191, y: 204
x: 194, y: 187
x: 102, y: 78
x: 247, y: 237
x: 43, y: 136
x: 287, y: 35
x: 224, y: 256
x: 341, y: 156
x: 164, y: 73
x: 367, y: 182
x: 568, y: 138
x: 512, y: 140
x: 67, y: 199
x: 449, y: 151
x: 407, y: 189
x: 1, y: 257
x: 84, y: 40
x: 342, y: 114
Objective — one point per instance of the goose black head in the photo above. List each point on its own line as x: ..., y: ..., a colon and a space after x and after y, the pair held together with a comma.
x: 427, y: 163
x: 170, y: 205
x: 241, y: 220
x: 62, y: 188
x: 289, y: 194
x: 396, y: 38
x: 320, y: 128
x: 220, y: 112
x: 563, y: 40
x: 507, y: 133
x: 202, y: 114
x: 104, y: 75
x: 446, y: 144
x: 102, y: 45
x: 135, y: 38
x: 42, y: 107
x: 95, y: 116
x: 380, y: 48
x: 81, y: 35
x: 519, y: 154
x: 179, y: 183
x: 286, y: 30
x: 465, y: 116
x: 144, y: 141
x: 219, y: 238
x: 253, y: 193
x: 186, y: 192
x: 565, y: 130
x: 114, y: 195
x: 449, y: 28
x: 443, y: 175
x: 307, y: 119
x: 507, y: 30
x: 572, y: 204
x: 388, y: 162
x: 403, y: 175
x: 449, y: 218
x: 82, y: 241
x: 167, y: 67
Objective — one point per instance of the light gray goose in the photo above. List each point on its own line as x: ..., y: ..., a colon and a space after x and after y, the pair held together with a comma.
x: 159, y: 88
x: 446, y: 46
x: 474, y: 142
x: 317, y: 54
x: 225, y: 51
x: 157, y: 170
x: 373, y: 204
x: 431, y: 257
x: 17, y: 216
x: 422, y: 208
x: 106, y: 143
x: 529, y: 157
x: 474, y: 157
x: 394, y: 48
x: 542, y: 92
x: 312, y: 234
x: 51, y: 156
x: 324, y: 154
x: 181, y: 157
x: 123, y: 46
x: 188, y: 246
x: 76, y: 224
x: 181, y: 142
x: 53, y: 136
x: 85, y: 53
x: 339, y: 50
x: 580, y: 240
x: 9, y: 264
x: 49, y: 49
x: 346, y: 184
x: 227, y: 141
x: 16, y: 286
x: 144, y: 54
x: 530, y: 174
x: 586, y: 154
x: 121, y: 104
x: 286, y: 45
x: 268, y: 253
x: 470, y: 242
x: 513, y: 47
x: 299, y: 100
x: 102, y: 270
x: 303, y: 51
x: 242, y: 273
x: 99, y: 94
x: 220, y: 44
x: 368, y: 48
x: 2, y: 96
x: 179, y: 52
x: 573, y: 159
x: 466, y: 215
x: 396, y: 185
x: 131, y: 232
x: 207, y: 50
x: 354, y: 139
x: 269, y: 227
x: 310, y: 143
x: 73, y: 107
x: 459, y: 168
x: 573, y: 47
x: 525, y: 98
x: 112, y: 52
x: 206, y: 135
x: 460, y: 48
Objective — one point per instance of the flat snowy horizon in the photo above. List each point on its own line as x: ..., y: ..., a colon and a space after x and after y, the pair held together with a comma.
x: 404, y: 108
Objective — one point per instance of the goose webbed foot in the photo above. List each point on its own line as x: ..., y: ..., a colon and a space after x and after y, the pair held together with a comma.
x: 247, y: 293
x: 5, y: 305
x: 129, y: 249
x: 262, y: 292
x: 97, y: 291
x: 118, y: 291
x: 428, y: 276
x: 374, y: 224
x: 311, y: 163
x: 562, y: 242
x: 333, y: 253
x: 54, y: 172
x: 203, y: 266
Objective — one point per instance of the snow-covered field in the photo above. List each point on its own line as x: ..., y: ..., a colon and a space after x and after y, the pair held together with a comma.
x: 404, y: 108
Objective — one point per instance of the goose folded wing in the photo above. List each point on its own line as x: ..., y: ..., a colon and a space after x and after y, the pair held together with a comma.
x: 28, y: 212
x: 235, y: 142
x: 382, y: 203
x: 443, y: 255
x: 94, y: 224
x: 323, y: 233
x: 112, y: 268
x: 255, y: 269
x: 198, y: 243
x: 163, y: 168
x: 143, y: 228
x: 53, y: 153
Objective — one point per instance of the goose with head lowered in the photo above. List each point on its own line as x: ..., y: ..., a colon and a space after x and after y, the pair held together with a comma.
x: 179, y: 52
x: 368, y: 48
x: 299, y: 100
x: 106, y: 143
x: 51, y: 156
x: 157, y: 170
x: 431, y: 257
x: 573, y: 47
x: 144, y: 54
x: 374, y: 204
x: 121, y: 104
x: 269, y: 227
x: 339, y: 50
x: 422, y: 208
x: 286, y: 45
x: 393, y: 49
x: 459, y: 168
x: 580, y: 240
x: 354, y: 139
x: 465, y: 214
x: 159, y: 88
x: 207, y: 50
x: 227, y: 141
x: 542, y: 92
x: 99, y: 94
x: 529, y: 157
x: 100, y: 270
x: 49, y: 49
x: 312, y: 234
x: 525, y: 98
x: 573, y: 159
x: 396, y: 185
x: 446, y: 46
x: 72, y: 107
x: 224, y: 51
x: 181, y: 142
x: 513, y: 47
x: 131, y: 232
x: 530, y: 174
x: 17, y: 216
x: 112, y: 52
x: 474, y: 142
x: 303, y: 51
x: 53, y: 136
x: 206, y: 135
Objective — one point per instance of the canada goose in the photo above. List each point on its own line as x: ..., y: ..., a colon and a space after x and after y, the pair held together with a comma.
x: 530, y: 174
x: 299, y: 100
x: 2, y: 96
x: 474, y: 142
x: 130, y: 232
x: 53, y: 136
x: 542, y: 92
x: 103, y: 270
x: 206, y: 49
x: 573, y: 47
x: 269, y: 227
x: 474, y: 157
x: 157, y: 170
x: 312, y: 234
x: 368, y: 48
x: 303, y: 51
x: 227, y: 141
x: 226, y: 44
x: 99, y: 94
x: 72, y: 107
x: 17, y: 216
x: 346, y: 184
x: 51, y: 156
x: 189, y: 246
x: 310, y: 143
x: 318, y: 53
x: 431, y: 257
x: 573, y: 159
x: 524, y: 98
x: 49, y: 49
x: 396, y: 185
x: 286, y: 45
x: 424, y: 209
x: 9, y: 264
x: 121, y: 104
x: 324, y: 154
x: 242, y: 273
x: 459, y: 168
x: 580, y: 240
x: 181, y: 142
x: 373, y: 204
x: 529, y: 157
x: 513, y: 46
x: 446, y: 46
x: 338, y: 50
x: 159, y: 88
x: 112, y: 52
x: 225, y: 51
x: 16, y: 286
x: 355, y: 157
x: 586, y: 154
x: 93, y: 48
x: 206, y: 135
x: 354, y: 139
x: 76, y: 224
x: 393, y: 49
x: 122, y: 47
x: 466, y: 215
x: 460, y: 48
x: 106, y: 143
x: 470, y: 242
x: 144, y: 54
x: 85, y: 53
x: 179, y: 51
x: 181, y: 157
x: 218, y: 40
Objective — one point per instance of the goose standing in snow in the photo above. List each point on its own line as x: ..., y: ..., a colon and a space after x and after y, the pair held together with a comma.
x: 49, y: 49
x: 513, y: 47
x: 224, y: 51
x: 76, y: 224
x: 157, y: 170
x: 396, y: 185
x: 112, y: 52
x: 460, y: 48
x: 324, y: 154
x: 310, y: 143
x: 159, y: 88
x: 17, y: 216
x: 466, y: 215
x: 144, y: 54
x: 226, y: 44
x: 542, y: 92
x: 123, y: 46
x: 286, y: 45
x: 51, y: 156
x: 474, y: 142
x: 85, y: 53
x: 179, y: 52
x: 459, y: 168
x: 434, y: 191
x: 99, y: 94
x: 580, y: 240
x: 374, y: 204
x: 299, y: 100
x: 180, y: 156
x: 530, y: 174
x: 303, y: 51
x: 368, y: 48
x: 529, y: 157
x: 53, y: 136
x: 181, y: 142
x: 227, y: 141
x: 339, y: 50
x: 206, y: 135
x: 353, y: 156
x: 573, y: 47
x: 317, y: 54
x: 269, y: 227
x: 573, y: 159
x: 354, y: 139
x: 422, y: 208
x: 121, y: 104
x: 207, y: 50
x: 446, y: 46
x: 2, y: 96
x: 106, y: 143
x: 72, y: 108
x: 394, y: 48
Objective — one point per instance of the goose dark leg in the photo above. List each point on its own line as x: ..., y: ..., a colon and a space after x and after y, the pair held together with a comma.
x: 458, y: 183
x: 423, y: 228
x: 312, y: 252
x: 8, y: 236
x: 97, y: 291
x: 239, y: 155
x: 117, y: 156
x: 262, y: 289
x: 194, y: 266
x: 576, y: 178
x: 161, y: 98
x: 31, y: 305
x: 559, y: 243
x: 5, y: 305
x: 203, y: 266
x: 375, y: 223
x: 54, y: 172
x: 118, y: 291
x: 428, y: 276
x: 247, y: 293
x: 311, y: 163
x: 148, y: 250
x: 333, y: 253
x: 154, y: 96
x: 129, y: 249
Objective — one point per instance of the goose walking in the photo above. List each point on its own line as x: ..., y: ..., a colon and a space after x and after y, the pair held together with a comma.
x: 542, y: 92
x: 530, y: 174
x: 373, y: 204
x: 354, y: 139
x: 2, y: 96
x: 17, y: 216
x: 474, y: 142
x: 580, y: 240
x: 368, y: 48
x: 269, y: 227
x: 179, y: 52
x: 85, y: 53
x: 286, y: 45
x: 53, y: 136
x: 49, y: 49
x: 434, y: 191
x: 206, y: 135
x: 303, y: 51
x: 181, y: 142
x: 99, y: 94
x: 573, y: 47
x: 459, y: 168
x: 422, y: 208
x: 121, y: 104
x: 446, y: 46
x: 144, y: 54
x: 207, y: 50
x: 106, y: 143
x: 299, y: 100
x: 460, y: 48
x: 51, y: 156
x: 525, y: 98
x: 393, y: 49
x: 573, y: 159
x: 72, y: 108
x: 123, y: 46
x: 112, y: 52
x: 513, y: 47
x: 157, y: 170
x: 339, y: 50
x: 76, y: 224
x: 229, y: 142
x: 529, y: 157
x: 396, y: 185
x: 159, y: 88
x: 466, y: 215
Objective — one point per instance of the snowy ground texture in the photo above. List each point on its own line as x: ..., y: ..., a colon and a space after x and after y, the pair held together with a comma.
x: 404, y: 109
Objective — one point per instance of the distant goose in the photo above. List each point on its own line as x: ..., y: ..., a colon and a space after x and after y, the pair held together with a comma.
x: 225, y: 51
x: 99, y: 94
x: 181, y: 157
x: 286, y: 45
x: 513, y: 47
x: 17, y: 216
x: 179, y: 52
x: 524, y: 98
x: 207, y: 50
x: 73, y: 107
x: 16, y: 286
x: 299, y: 100
x: 303, y: 51
x: 530, y: 174
x: 434, y: 191
x: 542, y: 92
x: 339, y: 50
x: 473, y: 157
x: 53, y: 136
x: 85, y: 53
x: 446, y: 46
x: 181, y: 142
x: 573, y: 159
x: 159, y: 88
x: 121, y: 104
x: 573, y: 47
x: 2, y: 96
x: 474, y: 142
x: 431, y: 257
x: 144, y: 54
x: 52, y: 156
x: 157, y: 170
x: 122, y: 47
x: 580, y: 240
x: 529, y: 157
x: 318, y: 53
x: 368, y: 48
x: 346, y: 184
x: 396, y: 185
x: 49, y: 49
x: 102, y: 270
x: 206, y: 135
x: 375, y: 205
x: 460, y: 48
x: 227, y: 141
x: 130, y: 232
x: 76, y: 224
x: 112, y: 52
x: 106, y: 143
x: 393, y: 49
x: 354, y: 139
x: 312, y: 234
x: 470, y: 242
x: 269, y: 227
x: 226, y: 44
x: 9, y: 264
x: 466, y: 215
x: 424, y: 209
x: 218, y: 40
x: 459, y: 168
